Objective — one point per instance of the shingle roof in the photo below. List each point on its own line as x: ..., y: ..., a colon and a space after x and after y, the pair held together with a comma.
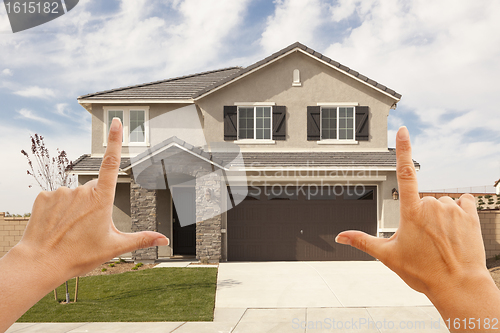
x: 281, y: 159
x: 89, y: 164
x: 312, y: 52
x: 319, y: 159
x: 183, y: 87
x: 196, y: 85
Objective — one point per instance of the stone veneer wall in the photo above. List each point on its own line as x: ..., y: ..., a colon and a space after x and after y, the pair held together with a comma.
x: 11, y: 231
x: 143, y: 213
x: 208, y: 204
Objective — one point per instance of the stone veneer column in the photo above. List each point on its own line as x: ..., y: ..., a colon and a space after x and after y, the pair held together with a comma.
x: 143, y: 214
x: 208, y: 209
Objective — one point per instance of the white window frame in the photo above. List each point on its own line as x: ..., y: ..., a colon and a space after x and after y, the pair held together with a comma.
x: 254, y: 106
x: 337, y: 140
x: 126, y: 124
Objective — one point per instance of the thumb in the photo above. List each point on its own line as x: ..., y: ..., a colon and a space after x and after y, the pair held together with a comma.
x: 143, y: 239
x: 374, y: 246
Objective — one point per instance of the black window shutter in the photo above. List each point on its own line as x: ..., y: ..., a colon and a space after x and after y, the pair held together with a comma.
x: 362, y: 123
x: 313, y: 117
x: 230, y: 122
x: 279, y: 122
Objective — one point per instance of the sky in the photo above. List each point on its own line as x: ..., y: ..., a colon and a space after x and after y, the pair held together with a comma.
x: 443, y: 56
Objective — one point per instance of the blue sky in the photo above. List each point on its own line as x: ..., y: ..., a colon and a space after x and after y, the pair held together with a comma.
x: 442, y: 56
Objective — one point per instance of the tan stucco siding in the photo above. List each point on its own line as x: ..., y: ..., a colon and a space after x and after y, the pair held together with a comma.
x: 320, y: 83
x: 390, y: 208
x: 156, y: 127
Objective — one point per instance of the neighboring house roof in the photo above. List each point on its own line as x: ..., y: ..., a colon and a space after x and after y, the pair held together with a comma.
x: 497, y: 182
x: 304, y: 48
x: 183, y: 87
x: 198, y: 85
x: 279, y: 159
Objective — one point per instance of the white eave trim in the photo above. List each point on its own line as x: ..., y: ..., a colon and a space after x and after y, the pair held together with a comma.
x: 284, y: 55
x: 136, y: 101
x: 92, y: 173
x: 313, y: 168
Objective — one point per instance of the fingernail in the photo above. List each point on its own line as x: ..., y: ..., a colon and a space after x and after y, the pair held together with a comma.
x: 343, y: 240
x: 115, y: 124
x: 403, y: 133
x: 161, y: 242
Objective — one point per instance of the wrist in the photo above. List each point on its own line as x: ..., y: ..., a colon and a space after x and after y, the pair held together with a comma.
x: 455, y: 298
x: 37, y: 264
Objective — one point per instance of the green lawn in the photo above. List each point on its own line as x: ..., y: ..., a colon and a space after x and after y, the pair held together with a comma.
x: 159, y: 294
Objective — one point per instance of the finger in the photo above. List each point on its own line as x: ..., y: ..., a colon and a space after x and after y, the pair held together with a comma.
x: 446, y: 200
x: 468, y: 203
x: 108, y: 173
x: 91, y: 183
x: 405, y: 169
x: 140, y: 240
x: 374, y: 246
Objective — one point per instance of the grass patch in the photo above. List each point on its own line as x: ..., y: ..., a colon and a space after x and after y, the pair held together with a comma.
x: 160, y: 294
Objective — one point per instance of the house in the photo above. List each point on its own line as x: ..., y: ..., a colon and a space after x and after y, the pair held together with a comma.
x: 497, y: 187
x: 312, y: 134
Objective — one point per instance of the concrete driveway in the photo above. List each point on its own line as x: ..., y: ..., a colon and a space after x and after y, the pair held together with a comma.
x: 320, y: 297
x: 312, y: 284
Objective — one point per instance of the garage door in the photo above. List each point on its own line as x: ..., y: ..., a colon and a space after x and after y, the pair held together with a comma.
x: 300, y: 223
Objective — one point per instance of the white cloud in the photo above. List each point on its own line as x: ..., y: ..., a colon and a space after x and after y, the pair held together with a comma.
x: 28, y: 114
x: 443, y: 57
x: 293, y: 21
x: 36, y: 92
x: 7, y: 72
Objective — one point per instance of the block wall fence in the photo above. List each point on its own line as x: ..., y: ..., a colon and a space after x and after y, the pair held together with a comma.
x: 11, y: 231
x: 12, y: 228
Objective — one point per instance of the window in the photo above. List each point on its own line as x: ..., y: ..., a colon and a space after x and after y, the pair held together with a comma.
x: 337, y: 123
x: 135, y: 124
x: 254, y: 122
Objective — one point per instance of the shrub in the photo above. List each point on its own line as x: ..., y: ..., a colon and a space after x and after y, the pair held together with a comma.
x: 112, y: 265
x: 497, y: 256
x: 139, y: 264
x: 479, y: 197
x: 487, y: 196
x: 103, y: 270
x: 122, y: 260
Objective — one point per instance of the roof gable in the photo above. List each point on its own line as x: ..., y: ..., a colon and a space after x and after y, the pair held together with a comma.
x: 304, y: 49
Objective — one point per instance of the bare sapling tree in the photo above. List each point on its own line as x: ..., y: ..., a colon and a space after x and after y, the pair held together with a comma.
x: 49, y: 173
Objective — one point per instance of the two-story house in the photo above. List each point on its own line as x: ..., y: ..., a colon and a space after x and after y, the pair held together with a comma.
x: 313, y: 137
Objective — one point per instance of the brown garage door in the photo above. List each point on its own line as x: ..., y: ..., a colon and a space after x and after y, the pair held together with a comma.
x: 300, y: 223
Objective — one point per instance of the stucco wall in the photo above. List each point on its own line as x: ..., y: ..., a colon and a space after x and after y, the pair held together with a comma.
x: 156, y: 132
x: 320, y: 83
x: 11, y: 231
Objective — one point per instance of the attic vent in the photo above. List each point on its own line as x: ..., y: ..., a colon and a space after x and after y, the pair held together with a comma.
x: 296, y: 78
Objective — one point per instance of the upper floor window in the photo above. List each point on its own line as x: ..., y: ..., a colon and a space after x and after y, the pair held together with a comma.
x: 337, y: 123
x: 254, y: 122
x: 135, y: 124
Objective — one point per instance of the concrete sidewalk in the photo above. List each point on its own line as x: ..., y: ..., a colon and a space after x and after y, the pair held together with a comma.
x: 295, y: 297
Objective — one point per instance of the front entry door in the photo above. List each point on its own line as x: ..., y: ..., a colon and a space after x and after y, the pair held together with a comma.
x: 184, y: 238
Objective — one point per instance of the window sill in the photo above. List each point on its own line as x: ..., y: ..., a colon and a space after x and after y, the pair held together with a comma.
x: 254, y: 142
x: 337, y: 142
